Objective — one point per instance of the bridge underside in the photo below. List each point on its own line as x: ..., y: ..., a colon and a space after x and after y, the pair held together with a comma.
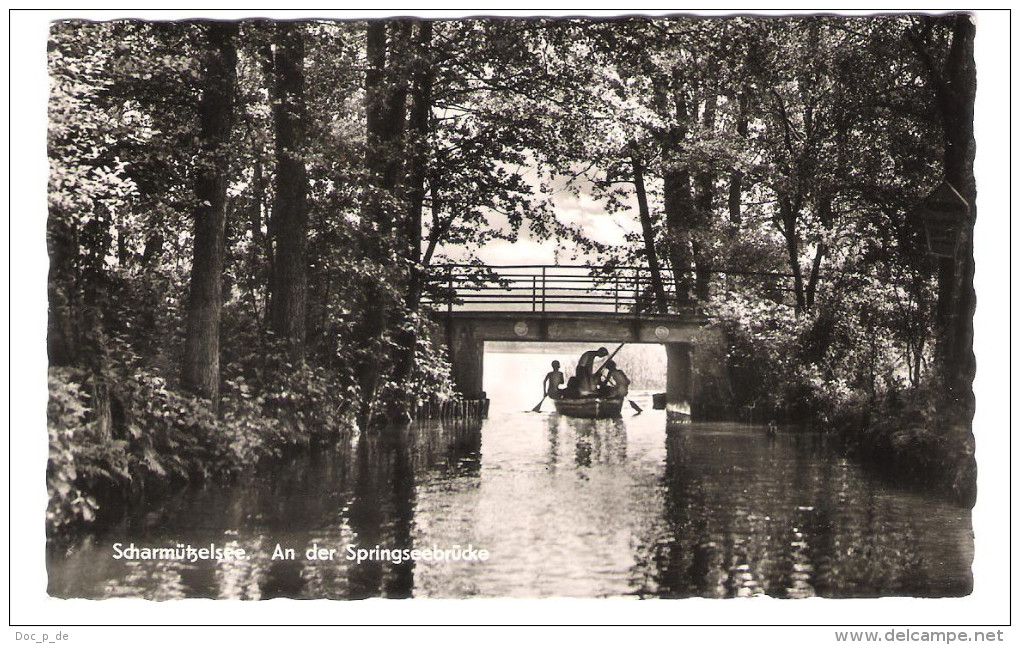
x: 467, y: 331
x: 576, y: 327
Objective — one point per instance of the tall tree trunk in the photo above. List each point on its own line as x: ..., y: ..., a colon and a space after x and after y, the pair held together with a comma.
x: 385, y: 99
x: 419, y: 140
x: 62, y: 328
x: 264, y: 57
x: 418, y: 143
x: 260, y: 243
x: 648, y: 232
x: 825, y: 217
x: 955, y: 98
x: 737, y: 176
x: 954, y: 85
x: 788, y: 212
x: 678, y: 206
x: 704, y: 198
x: 678, y: 201
x: 201, y: 370
x: 290, y: 209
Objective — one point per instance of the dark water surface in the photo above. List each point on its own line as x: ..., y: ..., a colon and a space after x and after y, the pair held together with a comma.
x: 565, y: 507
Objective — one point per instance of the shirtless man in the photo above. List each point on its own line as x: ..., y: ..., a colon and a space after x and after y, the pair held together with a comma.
x: 585, y: 380
x: 553, y: 381
x: 616, y: 384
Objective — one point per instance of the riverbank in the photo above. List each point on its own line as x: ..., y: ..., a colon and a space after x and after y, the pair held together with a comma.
x: 128, y: 435
x: 902, y: 432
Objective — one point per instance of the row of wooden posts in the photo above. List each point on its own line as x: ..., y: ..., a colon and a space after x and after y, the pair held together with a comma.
x: 453, y: 409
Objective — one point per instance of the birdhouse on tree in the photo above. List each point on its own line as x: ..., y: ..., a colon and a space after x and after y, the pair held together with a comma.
x: 942, y: 214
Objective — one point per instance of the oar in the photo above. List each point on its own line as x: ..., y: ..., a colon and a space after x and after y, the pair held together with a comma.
x: 636, y: 407
x: 538, y: 408
x: 609, y: 358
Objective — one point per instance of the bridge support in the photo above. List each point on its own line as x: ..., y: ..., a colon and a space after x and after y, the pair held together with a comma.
x: 680, y: 385
x: 467, y: 354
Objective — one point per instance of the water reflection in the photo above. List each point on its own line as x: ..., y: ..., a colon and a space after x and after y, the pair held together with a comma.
x: 566, y: 507
x: 360, y: 494
x: 746, y: 514
x: 598, y: 441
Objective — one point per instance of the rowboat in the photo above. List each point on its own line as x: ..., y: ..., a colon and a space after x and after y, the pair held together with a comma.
x: 589, y: 408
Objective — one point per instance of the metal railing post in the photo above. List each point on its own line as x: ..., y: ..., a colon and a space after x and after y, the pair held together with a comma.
x: 534, y: 293
x: 543, y: 289
x: 616, y: 293
x: 637, y: 291
x: 449, y: 284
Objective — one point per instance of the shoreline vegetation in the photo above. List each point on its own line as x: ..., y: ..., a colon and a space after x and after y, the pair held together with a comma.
x: 243, y: 219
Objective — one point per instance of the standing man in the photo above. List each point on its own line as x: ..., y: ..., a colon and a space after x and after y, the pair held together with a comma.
x: 585, y: 381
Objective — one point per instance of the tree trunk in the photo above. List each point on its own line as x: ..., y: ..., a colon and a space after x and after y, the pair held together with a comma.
x: 678, y: 202
x: 954, y: 86
x: 290, y: 208
x: 825, y: 218
x: 385, y: 98
x: 264, y: 56
x: 62, y: 328
x: 789, y: 216
x: 704, y: 198
x: 259, y: 241
x: 418, y: 146
x: 419, y: 139
x: 96, y: 354
x: 648, y: 232
x: 736, y: 176
x: 955, y: 99
x: 201, y: 369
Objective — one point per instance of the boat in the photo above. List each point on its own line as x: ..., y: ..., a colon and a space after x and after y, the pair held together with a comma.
x: 589, y: 407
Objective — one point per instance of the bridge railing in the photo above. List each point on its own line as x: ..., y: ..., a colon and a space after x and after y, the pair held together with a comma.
x: 545, y: 288
x: 580, y: 287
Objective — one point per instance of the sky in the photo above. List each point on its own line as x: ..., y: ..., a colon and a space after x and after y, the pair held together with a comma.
x: 580, y: 210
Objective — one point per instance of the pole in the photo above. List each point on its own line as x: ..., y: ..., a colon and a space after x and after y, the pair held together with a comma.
x: 543, y: 289
x: 606, y: 362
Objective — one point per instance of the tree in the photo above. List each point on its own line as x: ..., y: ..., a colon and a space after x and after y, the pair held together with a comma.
x: 951, y: 77
x: 201, y: 369
x: 290, y: 210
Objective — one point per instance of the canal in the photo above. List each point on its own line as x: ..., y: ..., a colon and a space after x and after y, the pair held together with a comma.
x: 563, y: 507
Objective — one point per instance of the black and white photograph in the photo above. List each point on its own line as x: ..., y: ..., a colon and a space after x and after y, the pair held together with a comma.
x: 589, y: 306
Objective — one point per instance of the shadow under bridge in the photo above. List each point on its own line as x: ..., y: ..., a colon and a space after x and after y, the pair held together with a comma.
x: 562, y: 303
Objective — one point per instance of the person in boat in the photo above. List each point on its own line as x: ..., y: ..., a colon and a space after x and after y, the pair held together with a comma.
x: 570, y: 392
x: 553, y: 382
x: 586, y: 385
x: 615, y: 384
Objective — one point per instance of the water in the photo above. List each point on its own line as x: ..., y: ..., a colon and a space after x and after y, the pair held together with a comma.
x: 564, y: 507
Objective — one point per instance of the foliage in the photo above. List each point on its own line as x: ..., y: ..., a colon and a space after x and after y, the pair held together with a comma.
x: 430, y: 380
x: 162, y: 437
x: 769, y: 166
x: 75, y: 455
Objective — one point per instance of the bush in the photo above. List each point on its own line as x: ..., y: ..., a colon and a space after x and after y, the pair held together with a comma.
x: 905, y: 431
x: 77, y: 457
x: 157, y: 437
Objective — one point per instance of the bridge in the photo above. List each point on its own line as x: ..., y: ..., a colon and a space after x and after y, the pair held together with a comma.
x: 567, y: 303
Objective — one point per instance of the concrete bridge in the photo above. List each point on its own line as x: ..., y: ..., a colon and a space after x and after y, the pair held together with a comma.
x: 568, y: 303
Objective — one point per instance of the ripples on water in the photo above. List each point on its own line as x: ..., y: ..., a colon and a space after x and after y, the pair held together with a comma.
x: 566, y: 507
